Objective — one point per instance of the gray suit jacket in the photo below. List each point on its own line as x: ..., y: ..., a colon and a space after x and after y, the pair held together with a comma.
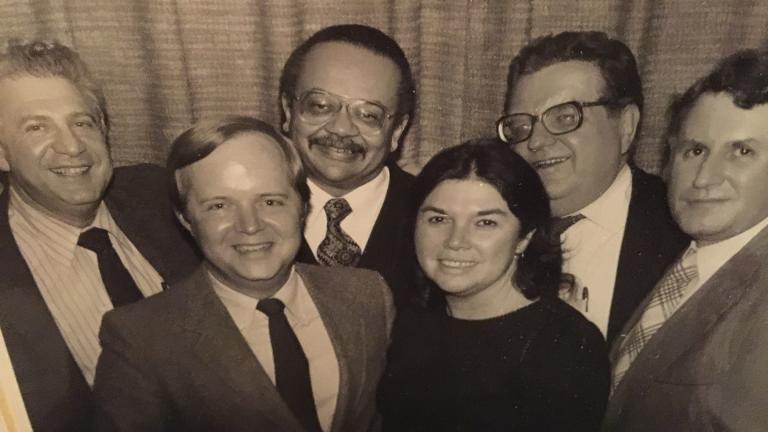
x: 176, y: 361
x: 706, y: 369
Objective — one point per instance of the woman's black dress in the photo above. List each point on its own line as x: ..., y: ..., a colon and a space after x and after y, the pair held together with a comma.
x: 543, y: 367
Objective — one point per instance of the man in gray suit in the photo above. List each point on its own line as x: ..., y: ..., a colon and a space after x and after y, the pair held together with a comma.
x: 250, y: 341
x: 693, y: 357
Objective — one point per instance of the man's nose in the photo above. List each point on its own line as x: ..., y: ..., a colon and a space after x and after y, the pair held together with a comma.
x: 67, y: 142
x: 341, y: 123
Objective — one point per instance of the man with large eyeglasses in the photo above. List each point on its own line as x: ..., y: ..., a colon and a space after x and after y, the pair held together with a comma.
x: 347, y: 94
x: 573, y: 105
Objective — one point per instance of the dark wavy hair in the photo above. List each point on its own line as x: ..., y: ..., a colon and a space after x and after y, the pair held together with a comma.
x: 743, y: 75
x: 374, y: 40
x: 615, y: 60
x: 538, y: 272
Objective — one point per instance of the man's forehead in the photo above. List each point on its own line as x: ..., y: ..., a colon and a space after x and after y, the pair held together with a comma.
x: 715, y: 119
x: 350, y: 71
x: 41, y: 93
x: 557, y: 83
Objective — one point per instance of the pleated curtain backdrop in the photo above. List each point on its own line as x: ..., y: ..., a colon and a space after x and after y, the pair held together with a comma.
x: 164, y: 63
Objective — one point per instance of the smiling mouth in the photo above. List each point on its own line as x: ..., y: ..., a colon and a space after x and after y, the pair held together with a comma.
x: 548, y: 163
x: 71, y: 171
x: 252, y: 248
x: 457, y: 264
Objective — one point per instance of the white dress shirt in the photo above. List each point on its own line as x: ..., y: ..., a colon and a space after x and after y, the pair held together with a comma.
x: 591, y: 250
x: 305, y: 320
x: 366, y: 202
x: 68, y: 276
x: 13, y: 414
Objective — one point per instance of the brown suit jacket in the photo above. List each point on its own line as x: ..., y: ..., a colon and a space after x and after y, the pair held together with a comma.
x: 706, y: 368
x: 177, y: 361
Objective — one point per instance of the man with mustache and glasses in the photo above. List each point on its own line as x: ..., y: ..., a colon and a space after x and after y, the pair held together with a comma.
x: 347, y: 94
x: 572, y: 110
x: 695, y: 353
x: 77, y: 237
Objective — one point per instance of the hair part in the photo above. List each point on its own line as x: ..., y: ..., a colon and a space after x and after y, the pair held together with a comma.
x: 358, y: 35
x: 491, y: 161
x: 50, y: 59
x: 207, y: 135
x: 612, y: 57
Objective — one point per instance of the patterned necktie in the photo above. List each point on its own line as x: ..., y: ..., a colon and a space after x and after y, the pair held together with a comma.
x: 292, y: 377
x: 337, y: 248
x: 560, y: 224
x: 119, y: 284
x: 665, y: 300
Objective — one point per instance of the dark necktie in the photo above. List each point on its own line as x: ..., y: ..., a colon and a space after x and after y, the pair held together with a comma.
x: 337, y: 248
x: 118, y: 282
x: 291, y: 365
x: 560, y: 224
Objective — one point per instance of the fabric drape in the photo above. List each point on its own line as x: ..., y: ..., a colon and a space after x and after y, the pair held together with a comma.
x: 166, y: 63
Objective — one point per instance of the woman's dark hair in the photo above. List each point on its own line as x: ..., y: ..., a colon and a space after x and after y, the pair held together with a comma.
x: 491, y: 161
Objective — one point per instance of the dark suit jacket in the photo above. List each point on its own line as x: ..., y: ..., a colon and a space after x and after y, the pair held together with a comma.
x: 177, y: 361
x: 391, y: 239
x: 652, y: 241
x: 705, y: 369
x: 55, y: 393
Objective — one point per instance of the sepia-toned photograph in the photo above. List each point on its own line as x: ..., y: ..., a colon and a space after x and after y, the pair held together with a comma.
x: 383, y: 216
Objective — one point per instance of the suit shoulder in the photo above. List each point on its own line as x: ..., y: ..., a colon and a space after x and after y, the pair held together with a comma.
x: 149, y: 312
x: 139, y: 185
x: 399, y: 177
x: 348, y: 282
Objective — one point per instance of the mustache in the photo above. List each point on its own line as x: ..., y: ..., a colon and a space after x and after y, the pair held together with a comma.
x: 338, y: 142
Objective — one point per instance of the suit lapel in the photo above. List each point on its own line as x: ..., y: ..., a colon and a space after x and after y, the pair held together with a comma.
x: 219, y: 345
x: 347, y: 334
x: 381, y: 248
x: 701, y: 313
x: 651, y: 242
x: 49, y: 379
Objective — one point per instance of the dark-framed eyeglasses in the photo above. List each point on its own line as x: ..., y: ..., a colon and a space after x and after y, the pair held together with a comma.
x: 318, y: 107
x: 557, y: 120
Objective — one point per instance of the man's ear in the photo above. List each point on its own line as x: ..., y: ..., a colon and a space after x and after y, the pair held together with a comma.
x: 523, y: 243
x: 4, y: 164
x: 398, y: 132
x: 184, y: 222
x: 630, y: 118
x: 285, y: 104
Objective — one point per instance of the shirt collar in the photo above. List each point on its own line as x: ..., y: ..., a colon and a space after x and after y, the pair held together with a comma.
x: 610, y: 209
x: 61, y: 238
x: 242, y: 307
x: 359, y: 198
x: 711, y: 257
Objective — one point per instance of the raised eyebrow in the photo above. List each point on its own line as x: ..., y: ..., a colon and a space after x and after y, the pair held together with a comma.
x: 375, y: 101
x: 432, y: 209
x: 33, y: 117
x: 273, y: 195
x: 490, y: 212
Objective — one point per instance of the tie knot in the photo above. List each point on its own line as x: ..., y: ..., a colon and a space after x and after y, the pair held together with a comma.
x: 271, y: 307
x: 95, y: 239
x: 337, y: 209
x: 561, y: 224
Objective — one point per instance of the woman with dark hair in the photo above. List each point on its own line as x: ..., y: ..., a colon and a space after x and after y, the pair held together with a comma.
x: 491, y: 346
